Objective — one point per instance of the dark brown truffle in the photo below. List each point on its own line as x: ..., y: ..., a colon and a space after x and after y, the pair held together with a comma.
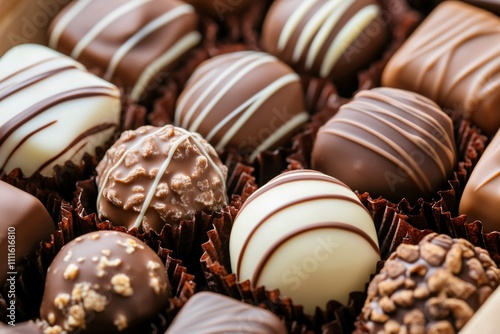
x: 325, y: 38
x: 134, y: 43
x: 388, y: 142
x: 247, y: 100
x: 24, y: 223
x: 208, y: 312
x: 156, y: 176
x: 433, y: 287
x: 104, y: 282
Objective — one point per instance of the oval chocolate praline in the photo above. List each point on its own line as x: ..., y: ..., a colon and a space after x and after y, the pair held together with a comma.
x: 388, y: 142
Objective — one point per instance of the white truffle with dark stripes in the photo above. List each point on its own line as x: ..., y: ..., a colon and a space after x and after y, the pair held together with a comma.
x: 306, y: 234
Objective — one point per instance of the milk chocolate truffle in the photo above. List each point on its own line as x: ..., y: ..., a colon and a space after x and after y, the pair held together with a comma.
x: 248, y: 100
x: 219, y: 9
x: 306, y: 234
x: 433, y: 287
x: 134, y: 43
x: 104, y: 282
x: 24, y: 223
x: 388, y: 142
x: 215, y: 313
x: 326, y: 38
x: 53, y: 110
x: 481, y: 198
x: 156, y: 176
x: 453, y: 59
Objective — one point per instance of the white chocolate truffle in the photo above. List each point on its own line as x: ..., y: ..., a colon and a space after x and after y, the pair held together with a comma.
x: 53, y: 110
x: 308, y: 235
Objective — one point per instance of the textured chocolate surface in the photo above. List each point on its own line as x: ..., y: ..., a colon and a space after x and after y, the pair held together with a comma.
x: 325, y: 38
x: 135, y: 43
x: 53, y: 110
x: 156, y: 176
x: 24, y: 223
x: 208, y: 312
x: 219, y: 9
x: 481, y: 198
x: 433, y: 287
x: 104, y: 282
x: 388, y: 142
x: 247, y: 100
x: 306, y: 234
x: 453, y: 58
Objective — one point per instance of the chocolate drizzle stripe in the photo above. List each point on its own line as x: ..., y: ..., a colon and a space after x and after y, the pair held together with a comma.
x: 65, y: 20
x: 327, y: 225
x: 286, y: 206
x: 16, y: 122
x: 10, y: 76
x: 92, y: 131
x: 23, y: 140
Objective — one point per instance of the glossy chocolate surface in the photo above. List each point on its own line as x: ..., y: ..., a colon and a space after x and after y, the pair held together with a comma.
x: 388, y: 142
x: 104, y: 282
x: 247, y: 100
x: 208, y: 312
x: 453, y: 59
x: 325, y: 38
x: 156, y: 176
x: 134, y: 43
x: 24, y: 223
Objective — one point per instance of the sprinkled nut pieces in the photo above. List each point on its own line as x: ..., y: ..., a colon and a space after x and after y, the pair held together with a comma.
x: 433, y: 287
x: 96, y: 281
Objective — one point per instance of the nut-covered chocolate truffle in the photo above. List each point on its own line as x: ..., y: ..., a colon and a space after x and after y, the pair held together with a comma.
x: 24, y: 223
x: 156, y: 176
x: 104, y: 282
x: 208, y: 313
x: 53, y: 110
x: 247, y: 100
x: 388, y: 142
x: 134, y: 43
x: 325, y: 38
x: 220, y: 9
x: 481, y: 198
x: 453, y: 59
x: 306, y: 234
x: 433, y: 287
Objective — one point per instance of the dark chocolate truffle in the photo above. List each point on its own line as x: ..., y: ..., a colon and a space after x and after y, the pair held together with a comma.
x: 208, y: 313
x: 248, y: 100
x: 156, y: 176
x: 306, y: 234
x: 326, y: 38
x: 453, y: 58
x: 219, y: 9
x: 53, y: 110
x: 104, y: 282
x: 24, y: 223
x: 433, y: 287
x: 134, y: 43
x: 388, y: 142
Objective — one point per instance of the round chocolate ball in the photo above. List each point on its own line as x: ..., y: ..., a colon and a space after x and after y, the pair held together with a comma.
x: 154, y: 176
x: 306, y: 234
x: 330, y: 39
x: 433, y: 287
x: 104, y: 282
x: 388, y: 142
x: 247, y: 100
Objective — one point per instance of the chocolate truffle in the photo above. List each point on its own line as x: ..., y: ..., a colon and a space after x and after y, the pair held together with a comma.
x: 248, y: 100
x: 325, y: 38
x: 53, y: 110
x: 491, y: 5
x: 388, y: 142
x: 453, y: 59
x: 215, y: 313
x: 481, y: 198
x: 433, y: 287
x: 104, y: 282
x: 156, y: 176
x: 24, y: 223
x: 306, y: 234
x: 134, y: 43
x: 220, y: 9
